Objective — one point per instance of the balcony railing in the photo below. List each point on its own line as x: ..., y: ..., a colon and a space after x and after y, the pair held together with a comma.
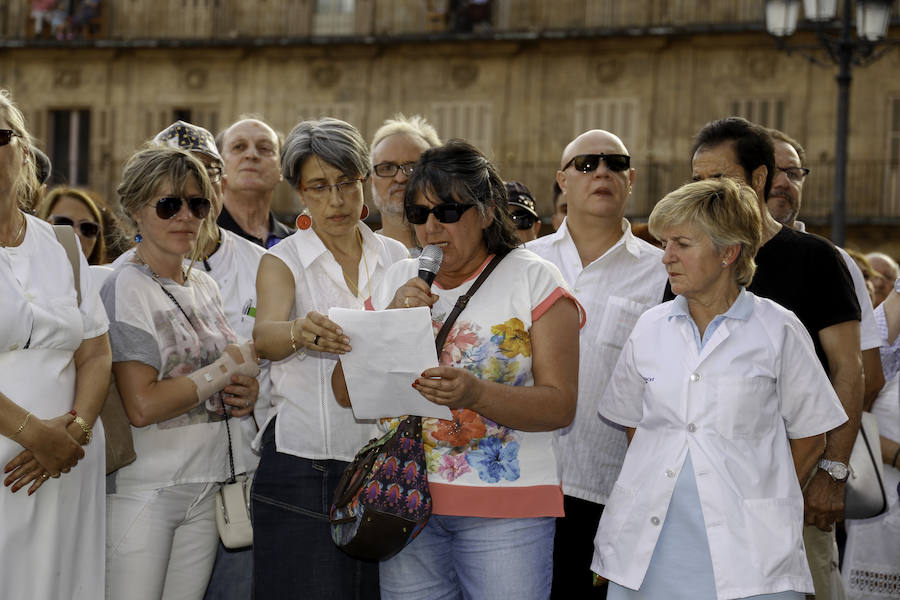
x: 873, y: 190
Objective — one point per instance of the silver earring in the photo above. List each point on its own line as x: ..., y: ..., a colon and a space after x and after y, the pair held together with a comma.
x: 724, y: 264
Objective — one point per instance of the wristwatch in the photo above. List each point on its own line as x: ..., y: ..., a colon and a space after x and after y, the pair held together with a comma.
x: 837, y: 470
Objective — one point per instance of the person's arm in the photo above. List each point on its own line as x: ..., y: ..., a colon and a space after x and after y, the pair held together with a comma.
x: 806, y: 452
x: 92, y: 367
x: 629, y: 431
x: 889, y: 449
x: 548, y: 405
x: 147, y: 400
x: 824, y: 496
x: 339, y: 385
x: 873, y: 375
x: 51, y: 445
x: 891, y: 306
x: 273, y: 328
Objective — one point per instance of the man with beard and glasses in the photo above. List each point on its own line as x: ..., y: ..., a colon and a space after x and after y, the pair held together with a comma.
x: 784, y: 202
x: 396, y: 147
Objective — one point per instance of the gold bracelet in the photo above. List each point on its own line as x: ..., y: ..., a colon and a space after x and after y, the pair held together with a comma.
x: 88, y: 433
x: 21, y: 427
x: 294, y: 342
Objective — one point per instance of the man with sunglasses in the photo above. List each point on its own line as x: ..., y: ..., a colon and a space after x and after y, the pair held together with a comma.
x: 523, y: 211
x: 805, y: 274
x: 252, y: 170
x: 396, y: 147
x: 616, y: 277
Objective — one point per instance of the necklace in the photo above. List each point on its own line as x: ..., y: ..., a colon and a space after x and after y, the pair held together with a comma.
x: 156, y: 278
x: 18, y: 233
x: 366, y: 263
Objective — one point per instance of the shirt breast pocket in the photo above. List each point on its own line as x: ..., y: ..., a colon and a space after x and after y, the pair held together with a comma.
x: 745, y: 406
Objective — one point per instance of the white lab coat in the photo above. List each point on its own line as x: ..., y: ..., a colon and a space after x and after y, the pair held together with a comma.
x: 733, y: 405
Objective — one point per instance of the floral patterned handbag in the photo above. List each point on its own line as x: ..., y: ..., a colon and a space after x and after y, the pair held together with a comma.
x: 382, y: 501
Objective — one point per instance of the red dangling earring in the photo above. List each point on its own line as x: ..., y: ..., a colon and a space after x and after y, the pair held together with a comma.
x: 303, y: 221
x: 365, y: 213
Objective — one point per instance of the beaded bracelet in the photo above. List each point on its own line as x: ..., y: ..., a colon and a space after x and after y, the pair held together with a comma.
x: 21, y: 427
x: 294, y: 343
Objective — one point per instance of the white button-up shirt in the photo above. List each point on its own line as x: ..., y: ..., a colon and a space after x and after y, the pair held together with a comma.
x: 311, y: 424
x: 614, y: 290
x: 733, y: 405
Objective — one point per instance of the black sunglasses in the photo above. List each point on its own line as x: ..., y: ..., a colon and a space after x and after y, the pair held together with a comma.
x: 588, y: 163
x: 6, y: 136
x: 447, y: 212
x: 88, y: 229
x: 168, y: 207
x: 523, y: 219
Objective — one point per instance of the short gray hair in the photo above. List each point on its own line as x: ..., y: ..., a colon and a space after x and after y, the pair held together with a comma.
x: 414, y: 126
x: 336, y: 142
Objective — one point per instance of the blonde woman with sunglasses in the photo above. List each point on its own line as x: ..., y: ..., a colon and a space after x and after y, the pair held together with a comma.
x: 73, y: 207
x: 54, y: 360
x: 179, y: 375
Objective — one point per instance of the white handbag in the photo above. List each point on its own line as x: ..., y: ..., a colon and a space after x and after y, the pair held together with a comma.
x: 233, y: 513
x: 233, y: 506
x: 865, y: 496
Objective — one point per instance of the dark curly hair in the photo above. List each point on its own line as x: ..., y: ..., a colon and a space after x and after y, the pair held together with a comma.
x: 459, y: 172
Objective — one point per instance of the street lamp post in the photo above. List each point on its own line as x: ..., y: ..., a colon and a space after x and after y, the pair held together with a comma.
x: 872, y: 19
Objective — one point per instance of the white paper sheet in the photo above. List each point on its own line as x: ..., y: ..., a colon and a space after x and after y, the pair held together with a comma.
x: 391, y: 348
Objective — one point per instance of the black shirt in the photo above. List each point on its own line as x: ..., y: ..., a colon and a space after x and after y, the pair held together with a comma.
x: 805, y: 274
x: 277, y: 230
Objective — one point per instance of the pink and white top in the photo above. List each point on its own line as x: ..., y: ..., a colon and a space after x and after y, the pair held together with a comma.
x: 477, y: 467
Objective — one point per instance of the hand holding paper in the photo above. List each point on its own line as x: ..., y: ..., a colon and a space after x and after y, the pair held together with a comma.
x: 391, y: 348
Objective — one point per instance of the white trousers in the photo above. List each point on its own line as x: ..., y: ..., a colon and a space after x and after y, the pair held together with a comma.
x: 161, y: 544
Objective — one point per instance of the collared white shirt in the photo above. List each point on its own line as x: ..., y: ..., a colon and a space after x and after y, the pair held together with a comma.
x: 614, y: 290
x: 310, y: 423
x: 869, y: 337
x: 734, y: 405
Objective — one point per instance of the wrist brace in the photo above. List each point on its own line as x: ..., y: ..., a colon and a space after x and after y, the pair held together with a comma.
x: 214, y: 377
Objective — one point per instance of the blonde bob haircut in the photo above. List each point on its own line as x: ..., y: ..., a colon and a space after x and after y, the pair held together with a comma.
x: 27, y: 184
x: 726, y: 211
x: 143, y: 176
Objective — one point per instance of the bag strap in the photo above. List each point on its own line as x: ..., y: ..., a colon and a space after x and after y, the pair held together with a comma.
x: 461, y: 304
x: 66, y: 236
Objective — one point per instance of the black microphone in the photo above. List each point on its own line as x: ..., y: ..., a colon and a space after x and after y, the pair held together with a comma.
x: 430, y: 263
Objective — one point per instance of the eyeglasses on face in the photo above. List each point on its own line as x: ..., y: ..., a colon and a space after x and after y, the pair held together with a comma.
x: 88, y: 229
x: 523, y: 219
x: 447, y: 212
x: 588, y: 163
x: 389, y: 169
x: 6, y: 136
x: 215, y: 173
x: 795, y: 174
x: 344, y: 189
x: 168, y: 207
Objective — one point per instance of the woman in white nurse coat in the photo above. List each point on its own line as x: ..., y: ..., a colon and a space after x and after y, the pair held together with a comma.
x: 726, y: 407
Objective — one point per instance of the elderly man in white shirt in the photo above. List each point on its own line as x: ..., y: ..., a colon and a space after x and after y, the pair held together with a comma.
x: 616, y: 277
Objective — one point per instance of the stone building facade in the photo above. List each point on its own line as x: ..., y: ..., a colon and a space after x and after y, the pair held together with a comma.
x: 519, y: 78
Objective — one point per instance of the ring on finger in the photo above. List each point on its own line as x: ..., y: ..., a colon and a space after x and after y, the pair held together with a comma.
x: 45, y: 476
x: 406, y: 302
x: 247, y: 403
x: 316, y: 340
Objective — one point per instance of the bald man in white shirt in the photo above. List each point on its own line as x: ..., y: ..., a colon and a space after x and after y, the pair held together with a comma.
x: 616, y: 277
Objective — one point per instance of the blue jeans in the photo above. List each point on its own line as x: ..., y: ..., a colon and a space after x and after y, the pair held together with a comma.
x: 232, y: 576
x: 293, y: 554
x: 473, y: 557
